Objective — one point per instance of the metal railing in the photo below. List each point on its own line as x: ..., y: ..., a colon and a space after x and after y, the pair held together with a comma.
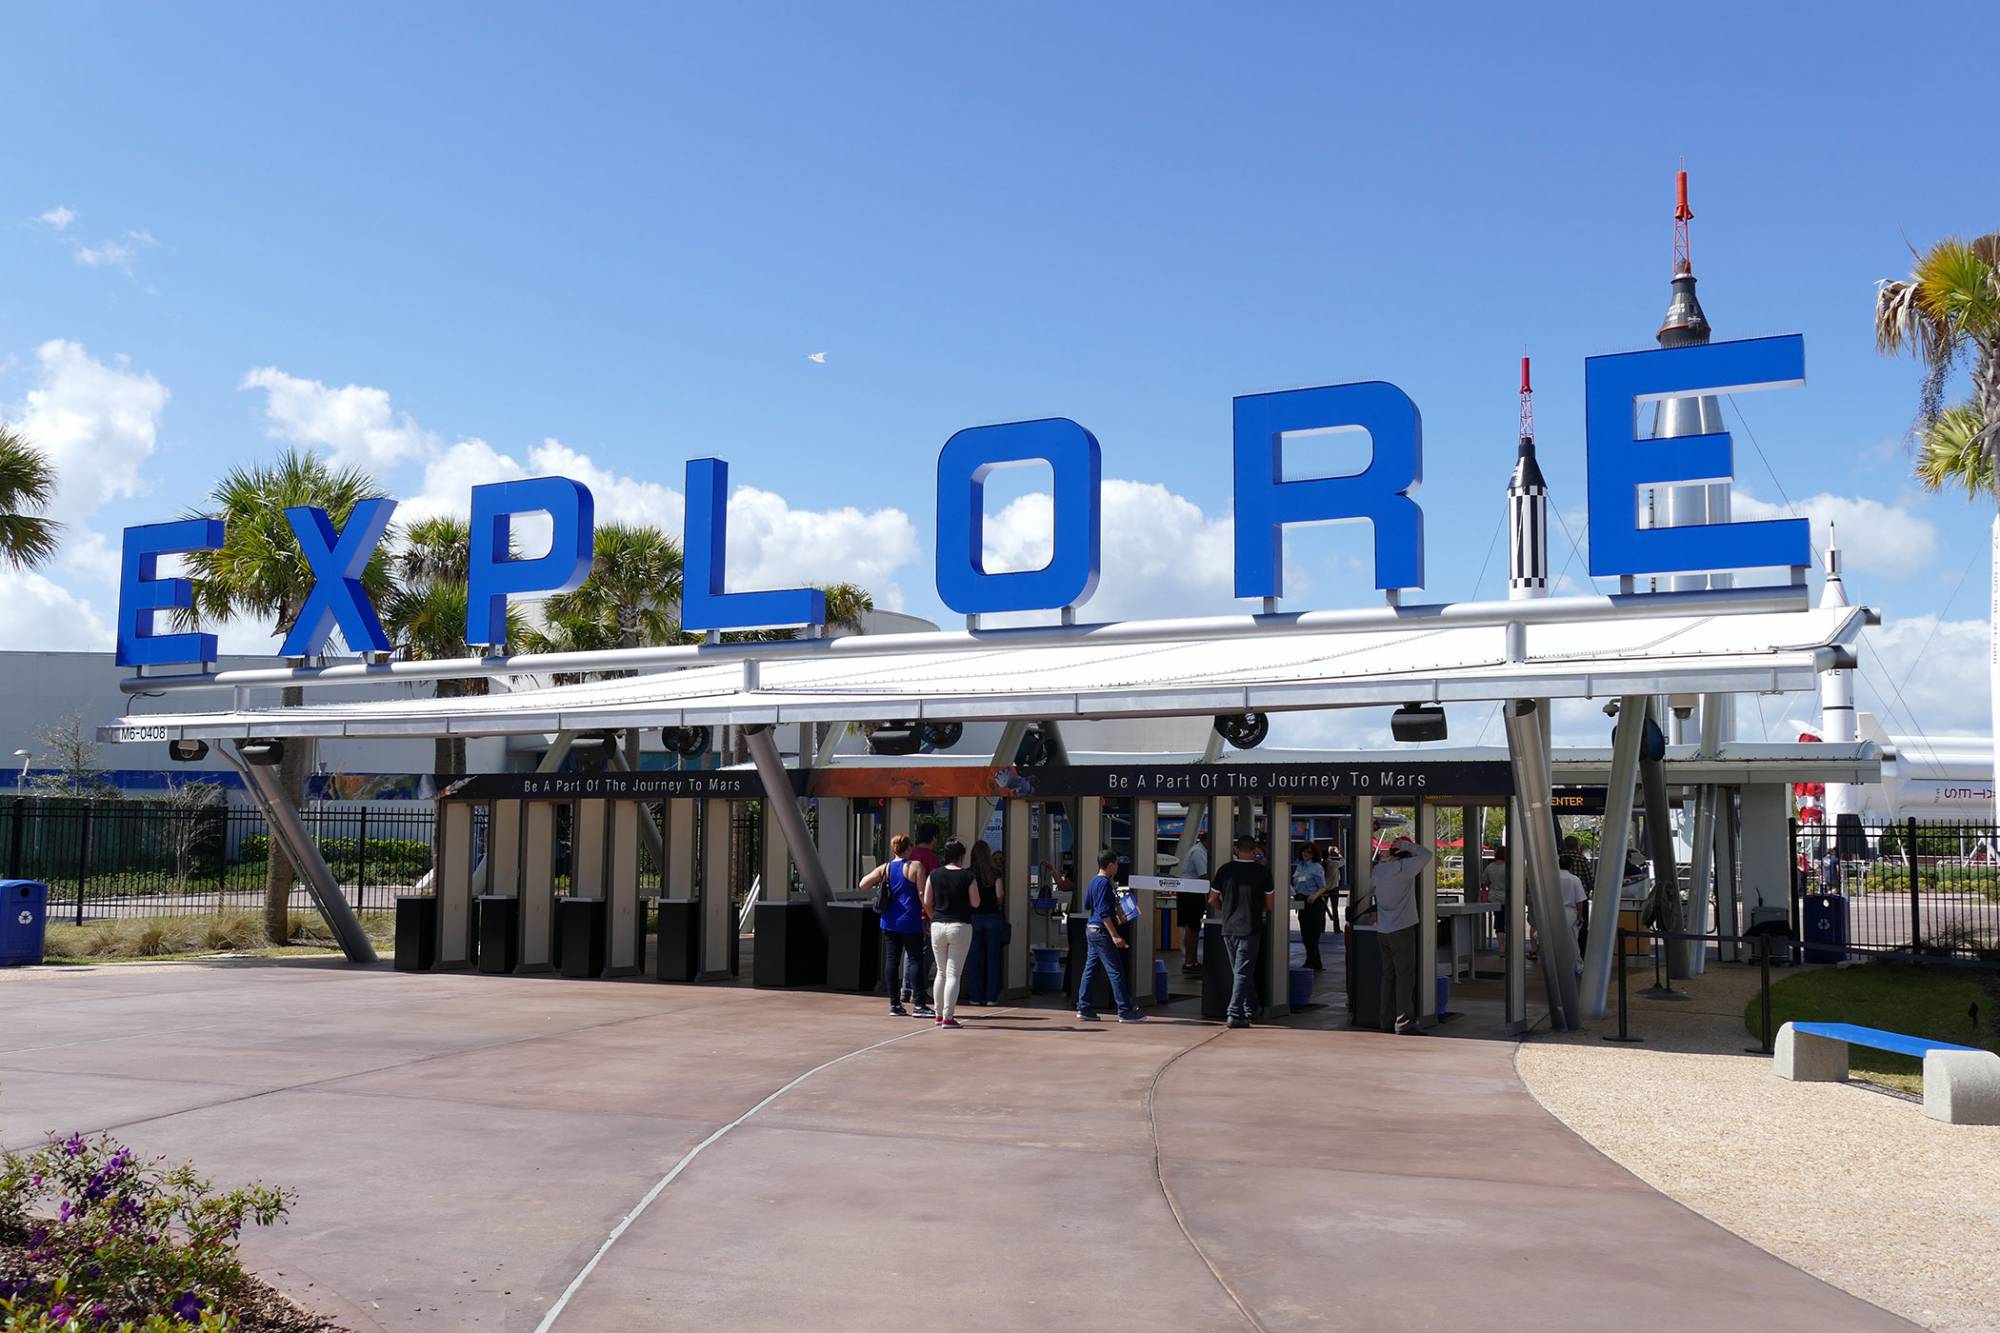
x: 1930, y: 888
x: 127, y: 858
x: 1759, y: 950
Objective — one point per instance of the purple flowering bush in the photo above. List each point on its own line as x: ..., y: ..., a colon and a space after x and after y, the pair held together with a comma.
x: 95, y: 1240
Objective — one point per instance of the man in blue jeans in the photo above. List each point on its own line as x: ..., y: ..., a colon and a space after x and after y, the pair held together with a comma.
x: 1100, y: 907
x: 1242, y: 893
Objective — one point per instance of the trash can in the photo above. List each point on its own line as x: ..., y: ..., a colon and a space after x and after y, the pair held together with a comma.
x: 1444, y: 996
x: 1774, y: 926
x: 853, y: 947
x: 580, y: 929
x: 1047, y: 978
x: 1160, y: 992
x: 499, y: 934
x: 679, y: 935
x: 416, y: 933
x: 1825, y: 929
x: 1299, y: 990
x: 790, y: 948
x: 24, y: 927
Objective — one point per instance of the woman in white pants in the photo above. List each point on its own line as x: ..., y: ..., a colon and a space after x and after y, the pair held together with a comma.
x: 950, y: 893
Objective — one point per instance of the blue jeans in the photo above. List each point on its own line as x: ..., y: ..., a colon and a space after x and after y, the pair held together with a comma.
x: 983, y: 974
x: 902, y: 946
x: 1243, y: 967
x: 1103, y: 954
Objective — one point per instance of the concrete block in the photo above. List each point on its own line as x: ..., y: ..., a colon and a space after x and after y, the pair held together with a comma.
x: 1962, y: 1087
x: 1808, y: 1059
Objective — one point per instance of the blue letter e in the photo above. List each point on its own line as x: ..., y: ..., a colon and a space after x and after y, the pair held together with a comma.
x: 142, y: 593
x: 494, y: 573
x: 1620, y: 463
x: 1380, y: 492
x: 972, y: 455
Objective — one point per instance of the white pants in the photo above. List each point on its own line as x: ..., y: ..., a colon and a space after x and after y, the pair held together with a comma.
x: 951, y: 942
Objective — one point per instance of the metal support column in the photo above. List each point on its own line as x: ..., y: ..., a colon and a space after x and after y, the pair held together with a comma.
x: 1146, y: 930
x: 304, y: 852
x: 1514, y: 929
x: 1427, y: 916
x: 718, y: 917
x: 1017, y: 816
x: 453, y: 884
x: 778, y: 798
x: 1700, y: 879
x: 1277, y: 946
x: 502, y: 875
x: 625, y: 947
x: 1666, y: 875
x: 1611, y: 849
x: 648, y: 830
x: 1730, y: 921
x: 538, y: 867
x: 1557, y: 942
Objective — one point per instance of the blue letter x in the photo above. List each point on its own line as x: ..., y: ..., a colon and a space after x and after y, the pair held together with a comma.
x: 337, y: 564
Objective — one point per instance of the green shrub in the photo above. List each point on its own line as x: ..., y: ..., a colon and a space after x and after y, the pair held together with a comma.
x: 112, y: 1240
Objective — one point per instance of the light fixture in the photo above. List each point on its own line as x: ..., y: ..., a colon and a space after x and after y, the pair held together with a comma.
x: 1245, y: 731
x: 262, y: 753
x: 1417, y: 723
x: 902, y: 737
x: 943, y: 735
x: 687, y: 742
x: 25, y: 758
x: 187, y: 752
x: 591, y: 751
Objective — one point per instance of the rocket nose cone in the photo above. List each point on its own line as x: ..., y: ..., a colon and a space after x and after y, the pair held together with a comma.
x: 1686, y: 324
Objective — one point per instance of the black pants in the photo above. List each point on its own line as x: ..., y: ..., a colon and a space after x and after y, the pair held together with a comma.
x: 1399, y: 979
x: 902, y: 965
x: 1312, y: 925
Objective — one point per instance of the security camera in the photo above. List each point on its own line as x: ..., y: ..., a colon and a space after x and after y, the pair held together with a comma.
x: 1611, y: 708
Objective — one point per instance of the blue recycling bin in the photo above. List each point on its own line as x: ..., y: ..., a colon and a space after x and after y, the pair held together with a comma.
x: 24, y: 921
x: 1825, y: 928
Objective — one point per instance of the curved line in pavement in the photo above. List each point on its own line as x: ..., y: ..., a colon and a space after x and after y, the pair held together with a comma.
x: 659, y: 1186
x: 1173, y: 1204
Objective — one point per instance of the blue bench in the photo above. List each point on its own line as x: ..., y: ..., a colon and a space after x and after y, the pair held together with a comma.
x: 1961, y: 1083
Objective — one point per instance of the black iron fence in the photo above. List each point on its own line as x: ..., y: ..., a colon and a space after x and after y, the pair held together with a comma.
x: 118, y: 858
x: 1928, y: 888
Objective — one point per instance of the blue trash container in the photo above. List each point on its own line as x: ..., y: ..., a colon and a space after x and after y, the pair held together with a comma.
x: 1299, y: 988
x: 1444, y: 995
x: 1160, y: 991
x: 1047, y: 977
x: 1825, y: 928
x: 24, y: 921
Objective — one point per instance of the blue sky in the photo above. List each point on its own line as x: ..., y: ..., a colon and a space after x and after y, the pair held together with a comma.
x: 459, y: 242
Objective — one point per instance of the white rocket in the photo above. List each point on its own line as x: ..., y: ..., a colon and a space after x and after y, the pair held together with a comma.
x: 1527, y: 510
x: 1686, y: 325
x: 1836, y: 706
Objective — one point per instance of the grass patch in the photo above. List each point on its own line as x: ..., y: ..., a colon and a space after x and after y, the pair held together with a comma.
x: 1920, y: 1001
x: 142, y: 937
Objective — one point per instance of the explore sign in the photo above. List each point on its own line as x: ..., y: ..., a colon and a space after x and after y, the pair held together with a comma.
x: 1620, y: 465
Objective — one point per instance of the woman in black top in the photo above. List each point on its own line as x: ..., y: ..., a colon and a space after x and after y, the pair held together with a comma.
x: 989, y: 929
x: 951, y: 893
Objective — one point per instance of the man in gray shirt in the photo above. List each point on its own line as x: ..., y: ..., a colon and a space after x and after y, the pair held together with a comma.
x: 1394, y: 882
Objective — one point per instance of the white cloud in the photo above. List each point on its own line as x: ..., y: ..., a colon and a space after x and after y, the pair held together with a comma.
x: 58, y: 217
x: 356, y: 424
x: 1934, y: 671
x: 36, y: 613
x: 121, y: 254
x: 1875, y: 538
x: 1162, y: 555
x: 97, y: 423
x: 771, y: 543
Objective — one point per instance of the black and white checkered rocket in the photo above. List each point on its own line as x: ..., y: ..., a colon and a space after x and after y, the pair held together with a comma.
x: 1527, y: 511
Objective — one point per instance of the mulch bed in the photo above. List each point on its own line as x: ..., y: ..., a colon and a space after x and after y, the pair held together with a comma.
x: 256, y: 1308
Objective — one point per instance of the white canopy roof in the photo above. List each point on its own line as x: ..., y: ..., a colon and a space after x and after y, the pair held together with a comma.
x: 1761, y: 653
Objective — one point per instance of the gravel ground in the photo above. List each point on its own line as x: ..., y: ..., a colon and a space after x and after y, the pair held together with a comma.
x: 1854, y: 1186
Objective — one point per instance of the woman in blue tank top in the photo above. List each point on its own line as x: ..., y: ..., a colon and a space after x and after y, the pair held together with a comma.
x: 901, y: 903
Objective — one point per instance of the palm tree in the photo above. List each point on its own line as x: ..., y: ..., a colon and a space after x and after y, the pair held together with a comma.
x: 425, y: 614
x: 1951, y: 307
x: 633, y: 593
x: 259, y: 571
x: 27, y: 484
x: 632, y: 599
x: 847, y: 605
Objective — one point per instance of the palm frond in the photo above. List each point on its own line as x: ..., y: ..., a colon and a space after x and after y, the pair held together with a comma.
x: 1955, y: 452
x: 27, y: 486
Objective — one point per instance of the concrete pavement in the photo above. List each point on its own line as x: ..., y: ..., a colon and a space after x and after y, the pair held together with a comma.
x: 464, y: 1145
